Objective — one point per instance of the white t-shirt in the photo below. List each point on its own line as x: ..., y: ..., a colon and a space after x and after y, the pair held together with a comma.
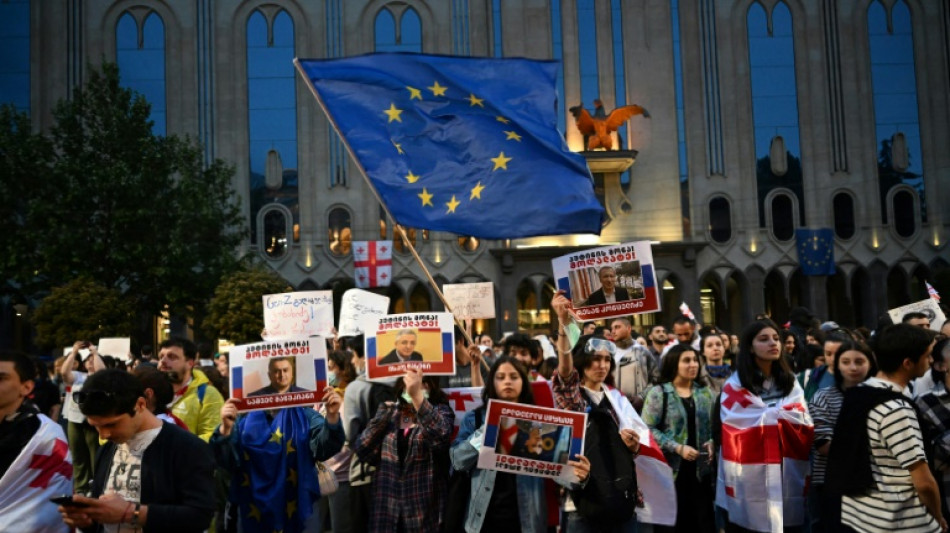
x: 125, y: 476
x: 71, y: 410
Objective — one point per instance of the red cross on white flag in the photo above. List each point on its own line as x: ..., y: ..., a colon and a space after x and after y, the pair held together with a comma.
x: 372, y: 262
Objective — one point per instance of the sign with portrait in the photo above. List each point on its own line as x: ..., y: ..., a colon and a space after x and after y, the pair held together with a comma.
x: 532, y: 441
x: 296, y: 314
x: 929, y: 307
x: 421, y: 340
x: 275, y: 374
x: 610, y: 281
x: 470, y: 300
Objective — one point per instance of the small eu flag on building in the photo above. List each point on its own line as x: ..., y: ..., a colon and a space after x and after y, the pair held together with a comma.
x: 816, y: 251
x: 460, y: 144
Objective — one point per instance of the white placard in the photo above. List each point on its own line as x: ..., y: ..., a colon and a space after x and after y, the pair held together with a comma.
x: 929, y: 307
x: 357, y: 305
x: 118, y: 347
x: 471, y: 300
x: 295, y: 314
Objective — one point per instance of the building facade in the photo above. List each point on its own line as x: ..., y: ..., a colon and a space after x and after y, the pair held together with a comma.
x: 765, y: 116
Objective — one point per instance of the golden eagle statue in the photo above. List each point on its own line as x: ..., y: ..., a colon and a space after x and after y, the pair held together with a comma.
x: 598, y: 130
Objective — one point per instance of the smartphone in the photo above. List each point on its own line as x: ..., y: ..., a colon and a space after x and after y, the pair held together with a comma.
x: 66, y: 500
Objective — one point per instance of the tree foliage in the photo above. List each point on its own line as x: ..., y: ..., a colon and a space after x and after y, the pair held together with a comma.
x: 102, y: 196
x: 82, y: 309
x: 236, y: 312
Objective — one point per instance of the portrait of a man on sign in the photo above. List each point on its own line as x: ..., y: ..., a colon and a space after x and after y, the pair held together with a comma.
x: 404, y: 350
x: 281, y: 371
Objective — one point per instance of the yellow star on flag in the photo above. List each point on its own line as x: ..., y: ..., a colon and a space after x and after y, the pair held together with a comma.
x: 475, y: 101
x: 452, y: 204
x: 501, y: 119
x: 426, y: 197
x: 437, y: 90
x: 393, y: 113
x: 398, y: 146
x: 254, y: 513
x: 477, y: 191
x: 500, y: 162
x: 291, y: 508
x: 276, y: 436
x: 292, y: 476
x: 290, y: 447
x: 512, y: 136
x: 411, y: 178
x: 414, y: 94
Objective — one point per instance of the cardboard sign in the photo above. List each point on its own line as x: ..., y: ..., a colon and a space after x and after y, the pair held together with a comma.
x: 471, y: 300
x: 295, y: 314
x: 929, y: 307
x: 610, y: 281
x: 275, y: 374
x: 397, y: 342
x: 532, y: 441
x: 356, y: 306
x: 118, y: 347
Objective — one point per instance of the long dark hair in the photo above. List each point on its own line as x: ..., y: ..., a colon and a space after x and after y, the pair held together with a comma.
x: 857, y: 347
x: 436, y: 394
x: 489, y: 392
x: 345, y: 370
x: 583, y: 360
x: 670, y: 365
x: 750, y: 377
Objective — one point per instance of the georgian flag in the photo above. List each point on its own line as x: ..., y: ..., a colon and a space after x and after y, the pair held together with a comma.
x: 43, y: 470
x: 763, y: 463
x: 372, y: 263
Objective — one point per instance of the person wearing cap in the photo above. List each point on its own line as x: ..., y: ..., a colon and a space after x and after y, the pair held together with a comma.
x: 83, y: 440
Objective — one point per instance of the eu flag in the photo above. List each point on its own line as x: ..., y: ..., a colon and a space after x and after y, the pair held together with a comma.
x: 459, y: 144
x: 816, y: 251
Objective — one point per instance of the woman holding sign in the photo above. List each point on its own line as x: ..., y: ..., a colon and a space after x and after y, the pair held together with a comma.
x: 501, y: 499
x: 407, y: 441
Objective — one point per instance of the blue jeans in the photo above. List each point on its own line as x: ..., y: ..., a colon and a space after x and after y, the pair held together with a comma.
x: 578, y: 524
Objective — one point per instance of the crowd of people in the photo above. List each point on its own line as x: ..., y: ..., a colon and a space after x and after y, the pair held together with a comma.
x: 804, y: 426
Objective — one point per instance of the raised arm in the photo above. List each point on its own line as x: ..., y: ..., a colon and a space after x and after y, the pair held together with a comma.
x: 565, y: 362
x: 66, y: 371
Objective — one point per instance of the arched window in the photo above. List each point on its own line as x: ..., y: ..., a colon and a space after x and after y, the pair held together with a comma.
x: 894, y: 87
x: 720, y: 220
x: 774, y: 101
x: 141, y: 59
x: 902, y: 208
x: 843, y: 211
x: 783, y: 219
x: 398, y: 29
x: 272, y: 112
x: 274, y: 242
x: 339, y: 231
x: 15, y: 65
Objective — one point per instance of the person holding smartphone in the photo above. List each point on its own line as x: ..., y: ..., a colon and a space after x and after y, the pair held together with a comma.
x: 678, y: 411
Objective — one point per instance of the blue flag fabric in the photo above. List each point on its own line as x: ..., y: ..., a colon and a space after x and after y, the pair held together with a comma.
x: 816, y: 251
x: 277, y: 483
x: 459, y: 144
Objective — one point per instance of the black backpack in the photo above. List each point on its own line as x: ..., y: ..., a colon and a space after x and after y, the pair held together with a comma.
x: 610, y: 495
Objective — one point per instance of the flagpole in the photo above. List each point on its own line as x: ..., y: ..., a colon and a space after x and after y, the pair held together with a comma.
x: 402, y: 232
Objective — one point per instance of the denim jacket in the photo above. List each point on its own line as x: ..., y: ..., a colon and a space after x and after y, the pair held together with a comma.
x: 464, y: 453
x: 674, y: 430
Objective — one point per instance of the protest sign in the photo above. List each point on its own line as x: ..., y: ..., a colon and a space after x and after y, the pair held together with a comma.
x: 470, y: 300
x: 610, y: 281
x: 929, y: 307
x: 274, y: 374
x: 464, y: 399
x: 294, y: 314
x: 533, y: 441
x: 355, y: 306
x: 118, y: 347
x: 421, y: 340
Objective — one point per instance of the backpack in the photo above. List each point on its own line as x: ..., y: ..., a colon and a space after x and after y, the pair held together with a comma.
x: 460, y: 492
x: 610, y: 495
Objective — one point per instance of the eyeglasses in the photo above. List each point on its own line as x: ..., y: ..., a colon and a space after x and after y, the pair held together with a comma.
x: 595, y: 344
x: 82, y: 397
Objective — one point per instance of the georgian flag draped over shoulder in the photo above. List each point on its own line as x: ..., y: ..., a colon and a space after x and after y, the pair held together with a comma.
x: 43, y: 470
x: 372, y: 263
x: 763, y: 463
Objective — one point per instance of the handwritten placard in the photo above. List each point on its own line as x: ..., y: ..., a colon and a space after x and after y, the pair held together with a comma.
x: 118, y: 347
x: 356, y: 306
x: 471, y: 300
x: 294, y: 314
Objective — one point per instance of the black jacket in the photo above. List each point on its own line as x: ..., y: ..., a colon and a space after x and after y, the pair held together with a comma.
x: 598, y: 297
x: 177, y: 481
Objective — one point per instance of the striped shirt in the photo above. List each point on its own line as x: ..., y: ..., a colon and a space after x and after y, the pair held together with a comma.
x: 824, y: 408
x: 896, y: 445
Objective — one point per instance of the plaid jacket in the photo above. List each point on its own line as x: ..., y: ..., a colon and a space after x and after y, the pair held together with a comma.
x: 414, y: 491
x: 935, y: 410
